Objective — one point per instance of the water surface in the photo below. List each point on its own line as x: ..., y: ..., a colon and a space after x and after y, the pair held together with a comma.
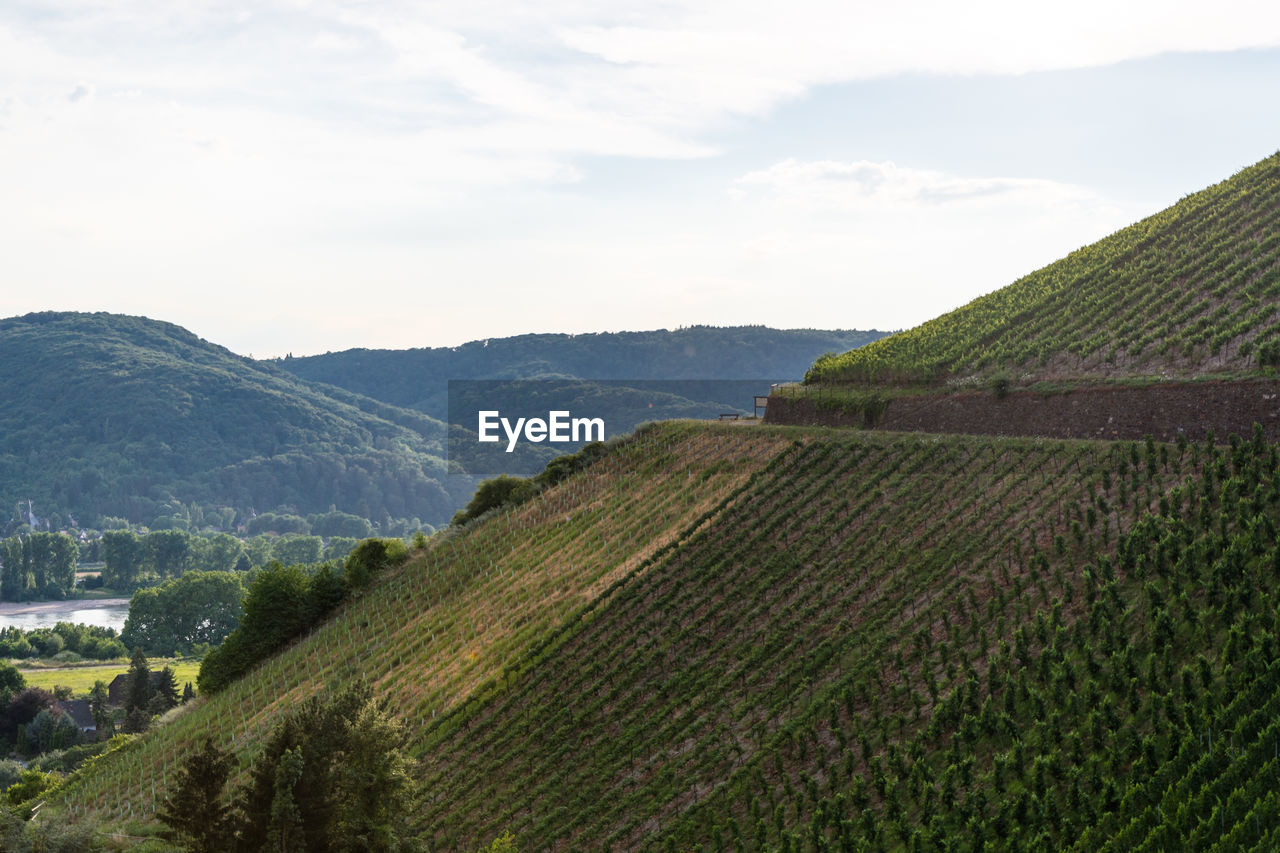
x: 105, y: 612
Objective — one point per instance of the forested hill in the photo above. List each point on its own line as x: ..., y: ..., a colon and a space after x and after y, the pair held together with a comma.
x: 109, y: 415
x: 417, y: 378
x: 1193, y: 289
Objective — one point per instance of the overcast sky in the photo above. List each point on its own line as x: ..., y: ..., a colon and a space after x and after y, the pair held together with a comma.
x: 311, y: 176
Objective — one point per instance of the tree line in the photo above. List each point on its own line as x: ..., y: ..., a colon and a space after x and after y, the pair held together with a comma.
x: 333, y: 776
x: 39, y: 565
x: 42, y: 566
x: 283, y: 602
x: 64, y: 642
x: 132, y: 560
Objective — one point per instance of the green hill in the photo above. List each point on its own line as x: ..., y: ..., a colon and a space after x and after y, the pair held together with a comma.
x: 843, y: 659
x: 780, y: 639
x: 108, y: 415
x: 1194, y: 289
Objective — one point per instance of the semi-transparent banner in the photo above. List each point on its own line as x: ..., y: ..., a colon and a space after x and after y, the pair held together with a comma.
x: 515, y: 426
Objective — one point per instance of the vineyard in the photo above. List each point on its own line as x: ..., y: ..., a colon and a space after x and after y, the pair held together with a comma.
x: 1190, y: 290
x: 910, y: 643
x: 457, y: 619
x: 729, y: 638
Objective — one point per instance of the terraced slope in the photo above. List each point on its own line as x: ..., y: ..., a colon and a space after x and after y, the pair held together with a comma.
x: 1192, y: 289
x: 905, y: 643
x: 461, y: 614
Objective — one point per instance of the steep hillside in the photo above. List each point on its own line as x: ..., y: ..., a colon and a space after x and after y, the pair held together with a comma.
x: 418, y: 378
x: 885, y: 642
x: 1193, y: 289
x: 107, y: 415
x: 462, y: 615
x: 777, y: 639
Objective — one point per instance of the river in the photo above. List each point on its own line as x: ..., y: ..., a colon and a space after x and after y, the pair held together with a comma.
x: 105, y: 612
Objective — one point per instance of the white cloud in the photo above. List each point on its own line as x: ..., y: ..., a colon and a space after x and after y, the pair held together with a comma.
x: 902, y: 244
x: 624, y: 78
x: 743, y: 57
x: 80, y: 92
x: 881, y: 187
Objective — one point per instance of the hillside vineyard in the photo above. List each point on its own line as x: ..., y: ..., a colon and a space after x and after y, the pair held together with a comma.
x: 1193, y: 289
x: 841, y: 641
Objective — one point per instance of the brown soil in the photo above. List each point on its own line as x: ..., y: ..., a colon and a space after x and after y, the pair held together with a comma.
x: 1112, y: 412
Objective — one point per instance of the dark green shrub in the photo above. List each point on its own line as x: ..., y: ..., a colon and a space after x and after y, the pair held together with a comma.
x: 1269, y: 354
x: 503, y: 490
x: 1000, y: 385
x: 369, y: 558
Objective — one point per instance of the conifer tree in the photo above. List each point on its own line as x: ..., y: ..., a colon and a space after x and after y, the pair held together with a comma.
x: 333, y: 776
x: 138, y: 687
x: 98, y: 707
x: 196, y: 812
x: 285, y: 832
x: 137, y: 694
x: 167, y: 687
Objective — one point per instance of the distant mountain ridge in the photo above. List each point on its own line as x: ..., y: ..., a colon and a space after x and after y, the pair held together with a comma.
x: 417, y: 378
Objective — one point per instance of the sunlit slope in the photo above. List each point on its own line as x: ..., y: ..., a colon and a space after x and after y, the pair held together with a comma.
x: 1194, y: 288
x: 884, y: 643
x: 456, y: 616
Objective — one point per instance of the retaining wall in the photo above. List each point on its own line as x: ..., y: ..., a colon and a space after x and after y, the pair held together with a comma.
x: 1107, y: 412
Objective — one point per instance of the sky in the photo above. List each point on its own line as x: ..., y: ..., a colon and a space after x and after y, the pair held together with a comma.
x: 303, y: 177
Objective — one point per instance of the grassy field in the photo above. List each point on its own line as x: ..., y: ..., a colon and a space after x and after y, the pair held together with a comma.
x: 81, y: 678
